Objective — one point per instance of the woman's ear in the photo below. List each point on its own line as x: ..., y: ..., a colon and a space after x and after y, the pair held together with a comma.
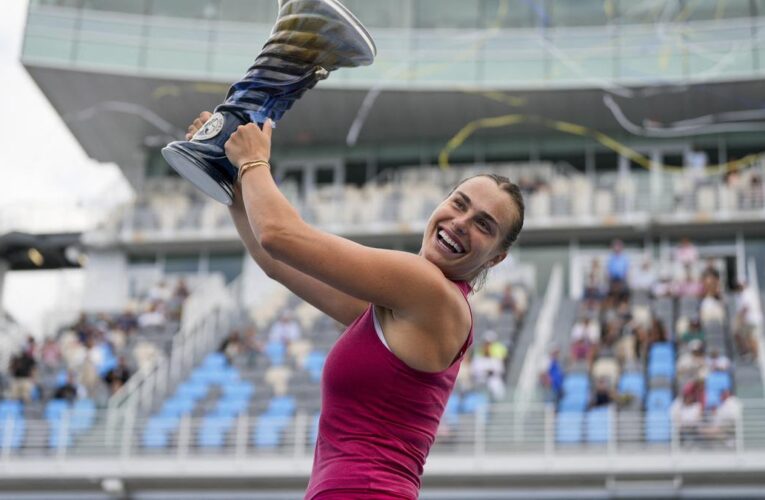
x: 496, y: 260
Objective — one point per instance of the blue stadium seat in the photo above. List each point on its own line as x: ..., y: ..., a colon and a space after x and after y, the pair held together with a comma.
x: 163, y: 423
x: 662, y: 351
x: 632, y: 383
x: 54, y: 409
x: 231, y: 407
x: 598, y: 425
x: 661, y: 368
x: 212, y: 434
x: 658, y: 399
x: 16, y: 426
x: 716, y: 383
x: 194, y: 390
x: 576, y: 383
x: 568, y: 427
x: 314, y: 364
x: 238, y: 390
x: 177, y: 406
x: 658, y: 428
x: 276, y: 352
x: 315, y: 428
x: 83, y: 415
x: 268, y: 430
x: 58, y: 437
x: 574, y: 402
x: 154, y: 437
x: 215, y: 360
x: 451, y: 412
x: 281, y: 406
x: 472, y: 402
x: 11, y: 407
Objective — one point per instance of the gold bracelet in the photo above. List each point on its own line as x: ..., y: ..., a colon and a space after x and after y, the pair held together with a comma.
x: 251, y: 164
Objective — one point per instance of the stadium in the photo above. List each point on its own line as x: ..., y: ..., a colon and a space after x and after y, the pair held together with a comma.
x: 618, y: 352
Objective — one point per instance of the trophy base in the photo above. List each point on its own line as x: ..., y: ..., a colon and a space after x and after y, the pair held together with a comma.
x: 209, y: 178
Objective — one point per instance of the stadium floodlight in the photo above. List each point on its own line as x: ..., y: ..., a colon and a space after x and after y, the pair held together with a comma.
x: 310, y: 39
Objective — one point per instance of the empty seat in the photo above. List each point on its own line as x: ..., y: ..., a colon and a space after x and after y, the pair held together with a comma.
x: 191, y: 389
x: 658, y: 399
x: 568, y: 427
x: 658, y: 428
x: 598, y: 425
x: 716, y: 383
x: 474, y: 402
x: 634, y: 384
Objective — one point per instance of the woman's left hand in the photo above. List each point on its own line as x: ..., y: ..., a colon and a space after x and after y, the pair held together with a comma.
x: 249, y: 143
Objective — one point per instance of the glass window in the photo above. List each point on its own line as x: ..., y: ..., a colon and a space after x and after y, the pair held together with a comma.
x: 511, y: 14
x: 704, y: 10
x: 197, y: 9
x: 182, y: 263
x: 255, y: 11
x: 580, y: 12
x: 132, y: 7
x: 230, y: 264
x: 447, y: 13
x: 387, y: 14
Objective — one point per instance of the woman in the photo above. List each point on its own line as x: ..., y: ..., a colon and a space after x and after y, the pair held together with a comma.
x: 387, y: 379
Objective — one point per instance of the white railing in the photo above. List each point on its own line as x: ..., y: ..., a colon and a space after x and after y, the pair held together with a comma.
x: 194, y: 341
x: 543, y: 333
x: 477, y: 434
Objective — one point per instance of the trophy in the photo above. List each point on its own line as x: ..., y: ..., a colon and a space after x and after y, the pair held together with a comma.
x: 310, y: 39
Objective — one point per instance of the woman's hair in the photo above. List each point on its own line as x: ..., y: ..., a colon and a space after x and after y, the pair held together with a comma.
x: 515, y: 194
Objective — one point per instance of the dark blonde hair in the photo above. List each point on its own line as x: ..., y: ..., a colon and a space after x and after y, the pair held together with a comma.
x: 514, y: 191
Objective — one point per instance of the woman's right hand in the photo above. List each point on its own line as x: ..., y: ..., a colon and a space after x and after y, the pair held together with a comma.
x: 198, y: 122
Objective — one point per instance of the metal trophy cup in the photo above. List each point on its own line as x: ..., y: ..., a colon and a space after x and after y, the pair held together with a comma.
x: 310, y: 39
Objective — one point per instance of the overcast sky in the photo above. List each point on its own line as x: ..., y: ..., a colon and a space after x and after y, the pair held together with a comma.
x: 43, y: 169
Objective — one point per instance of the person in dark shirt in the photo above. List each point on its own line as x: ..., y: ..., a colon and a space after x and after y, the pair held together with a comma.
x: 118, y: 376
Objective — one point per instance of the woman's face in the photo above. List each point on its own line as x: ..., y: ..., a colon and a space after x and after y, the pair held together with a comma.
x: 465, y: 232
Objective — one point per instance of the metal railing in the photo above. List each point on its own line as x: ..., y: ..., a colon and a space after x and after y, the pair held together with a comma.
x: 502, y: 430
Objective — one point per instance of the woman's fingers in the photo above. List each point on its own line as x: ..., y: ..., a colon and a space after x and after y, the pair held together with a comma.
x: 198, y: 123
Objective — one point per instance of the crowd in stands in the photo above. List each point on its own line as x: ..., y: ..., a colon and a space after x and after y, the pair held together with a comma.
x: 95, y: 356
x: 639, y: 337
x: 408, y: 195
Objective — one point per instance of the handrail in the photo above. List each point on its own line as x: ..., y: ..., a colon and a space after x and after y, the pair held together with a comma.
x: 753, y: 282
x: 550, y: 305
x: 488, y: 432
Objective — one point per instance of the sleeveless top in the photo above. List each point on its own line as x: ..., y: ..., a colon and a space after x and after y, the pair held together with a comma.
x: 379, y: 416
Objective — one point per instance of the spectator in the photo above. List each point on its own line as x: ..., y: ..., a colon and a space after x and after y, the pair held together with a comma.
x: 154, y: 316
x: 484, y: 364
x: 603, y: 395
x: 686, y: 413
x: 618, y: 265
x: 70, y: 389
x: 552, y: 376
x: 694, y: 331
x: 285, y: 330
x: 686, y: 254
x: 495, y: 383
x: 747, y: 321
x: 117, y: 376
x: 689, y: 287
x: 22, y: 370
x: 585, y: 335
x: 127, y: 321
x: 231, y: 346
x: 514, y: 300
x: 717, y: 362
x: 711, y: 309
x: 725, y: 419
x: 692, y: 364
x: 644, y: 280
x: 50, y: 355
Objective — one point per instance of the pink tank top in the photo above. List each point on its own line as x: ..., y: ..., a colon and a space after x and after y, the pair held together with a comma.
x: 379, y: 417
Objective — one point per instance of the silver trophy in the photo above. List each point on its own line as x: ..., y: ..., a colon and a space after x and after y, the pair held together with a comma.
x: 310, y: 39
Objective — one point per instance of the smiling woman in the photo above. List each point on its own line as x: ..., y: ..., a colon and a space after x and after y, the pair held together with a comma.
x: 388, y: 378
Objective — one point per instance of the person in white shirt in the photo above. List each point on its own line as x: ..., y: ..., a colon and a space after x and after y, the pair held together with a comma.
x: 725, y: 419
x: 285, y: 330
x: 748, y: 321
